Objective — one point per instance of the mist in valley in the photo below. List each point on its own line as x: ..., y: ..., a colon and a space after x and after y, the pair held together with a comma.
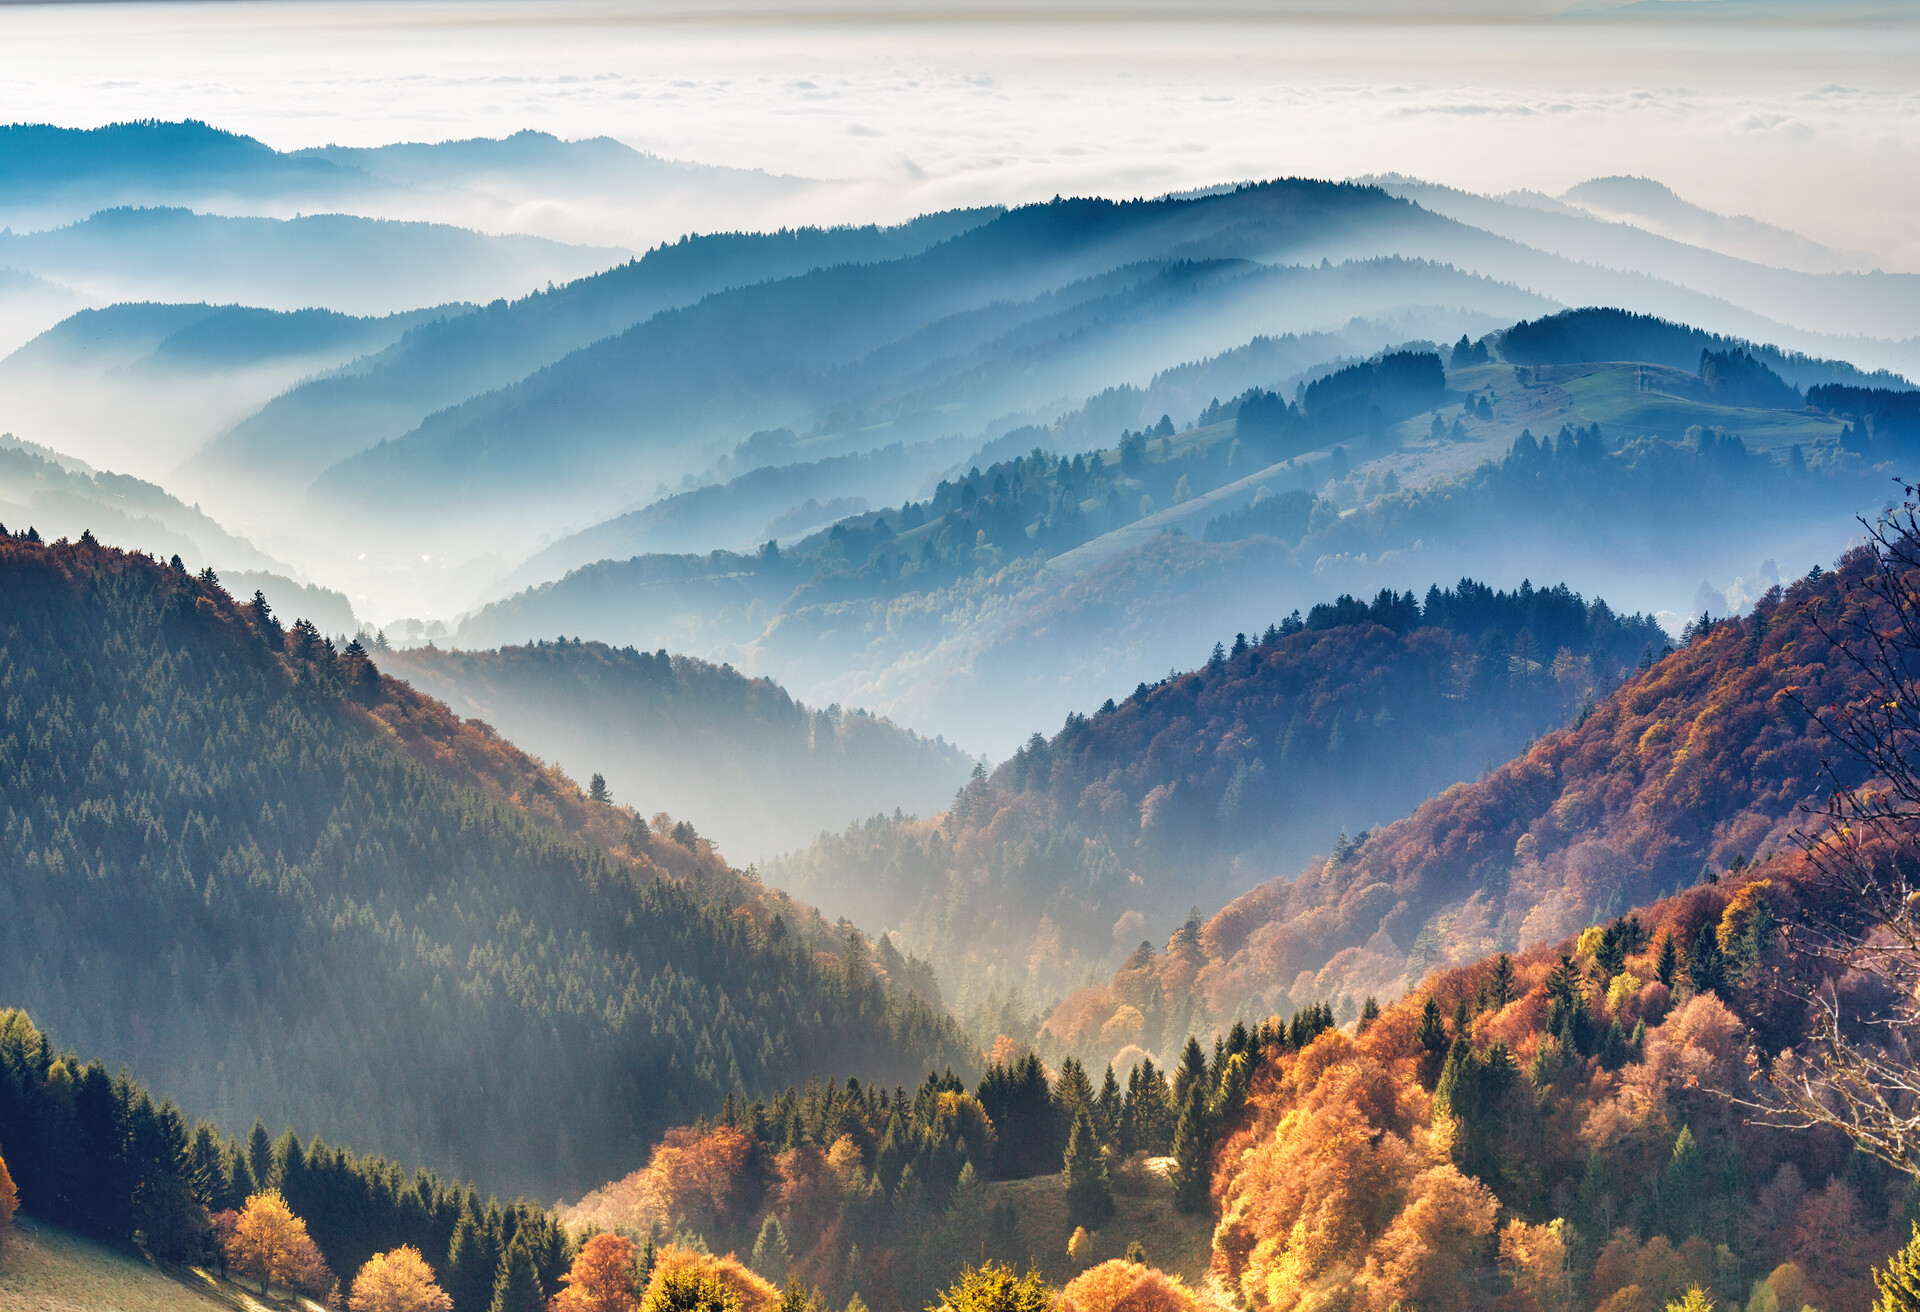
x: 568, y: 568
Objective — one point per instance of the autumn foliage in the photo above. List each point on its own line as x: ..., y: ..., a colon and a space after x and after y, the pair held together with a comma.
x: 267, y: 1243
x: 9, y: 1199
x: 1573, y: 1151
x: 1121, y: 1286
x: 397, y: 1281
x: 1698, y: 762
x: 601, y: 1280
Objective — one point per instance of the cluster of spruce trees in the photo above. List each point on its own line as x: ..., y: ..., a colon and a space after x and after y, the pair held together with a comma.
x: 97, y: 1153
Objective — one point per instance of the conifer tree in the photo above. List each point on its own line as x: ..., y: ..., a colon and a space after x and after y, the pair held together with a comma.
x: 1369, y: 1013
x: 1899, y: 1280
x: 1666, y: 967
x: 1084, y: 1173
x: 1108, y: 1109
x: 1434, y: 1044
x: 260, y: 1156
x: 517, y: 1286
x: 1193, y: 1153
x: 1706, y: 967
x: 771, y: 1255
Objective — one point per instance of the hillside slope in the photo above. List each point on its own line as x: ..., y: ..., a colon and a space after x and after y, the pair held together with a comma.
x: 1699, y: 762
x: 330, y: 902
x: 1187, y: 789
x: 752, y: 768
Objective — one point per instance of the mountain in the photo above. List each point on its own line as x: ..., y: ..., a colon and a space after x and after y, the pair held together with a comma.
x: 51, y: 175
x: 59, y: 497
x: 275, y: 453
x: 1008, y: 324
x: 1058, y: 574
x: 29, y: 303
x: 328, y: 901
x: 763, y: 503
x: 594, y: 191
x: 140, y: 387
x: 1537, y: 1130
x: 1042, y: 302
x: 342, y: 262
x: 1768, y: 272
x: 1702, y: 760
x: 1183, y: 791
x: 755, y: 770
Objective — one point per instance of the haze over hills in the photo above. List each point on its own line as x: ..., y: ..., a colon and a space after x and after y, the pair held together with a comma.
x: 334, y: 261
x: 758, y: 772
x: 1706, y: 759
x: 1074, y: 587
x: 1261, y: 533
x: 139, y: 387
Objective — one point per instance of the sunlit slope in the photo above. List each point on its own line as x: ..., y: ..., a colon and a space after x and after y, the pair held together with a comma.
x: 1702, y: 760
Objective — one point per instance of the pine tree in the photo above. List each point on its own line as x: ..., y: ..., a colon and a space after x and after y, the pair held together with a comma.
x: 1706, y: 967
x: 1501, y: 986
x: 1434, y: 1044
x: 260, y: 1156
x: 1193, y: 1153
x: 772, y: 1257
x: 1108, y: 1109
x: 1369, y: 1013
x: 1680, y: 1188
x: 517, y: 1286
x: 1667, y: 965
x: 1089, y: 1191
x: 1899, y: 1281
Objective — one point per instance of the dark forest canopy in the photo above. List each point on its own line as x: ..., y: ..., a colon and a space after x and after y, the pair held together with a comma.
x: 1594, y: 333
x: 329, y: 902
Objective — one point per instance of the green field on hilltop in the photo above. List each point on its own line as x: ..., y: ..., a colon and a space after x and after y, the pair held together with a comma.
x: 1641, y: 400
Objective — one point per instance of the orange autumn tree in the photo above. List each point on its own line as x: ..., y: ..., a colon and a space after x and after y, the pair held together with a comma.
x: 601, y: 1279
x: 9, y: 1199
x: 397, y: 1281
x: 1122, y: 1286
x: 270, y: 1244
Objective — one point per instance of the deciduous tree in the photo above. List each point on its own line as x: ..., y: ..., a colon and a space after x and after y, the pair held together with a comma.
x: 398, y: 1280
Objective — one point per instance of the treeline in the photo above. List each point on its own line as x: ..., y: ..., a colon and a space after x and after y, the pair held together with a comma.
x: 96, y: 1152
x: 1594, y: 334
x: 330, y: 902
x: 854, y: 1189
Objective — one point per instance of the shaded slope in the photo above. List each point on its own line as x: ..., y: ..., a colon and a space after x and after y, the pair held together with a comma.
x: 309, y: 427
x: 329, y: 901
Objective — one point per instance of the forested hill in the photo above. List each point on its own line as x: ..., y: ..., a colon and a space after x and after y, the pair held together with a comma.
x: 754, y: 769
x: 1699, y: 762
x: 283, y: 884
x: 1191, y: 789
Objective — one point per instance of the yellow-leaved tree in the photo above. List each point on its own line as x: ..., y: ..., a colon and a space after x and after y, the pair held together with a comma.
x: 397, y: 1281
x: 271, y: 1245
x: 9, y: 1199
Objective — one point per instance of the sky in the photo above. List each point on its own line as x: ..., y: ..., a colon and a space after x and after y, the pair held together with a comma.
x: 1812, y: 125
